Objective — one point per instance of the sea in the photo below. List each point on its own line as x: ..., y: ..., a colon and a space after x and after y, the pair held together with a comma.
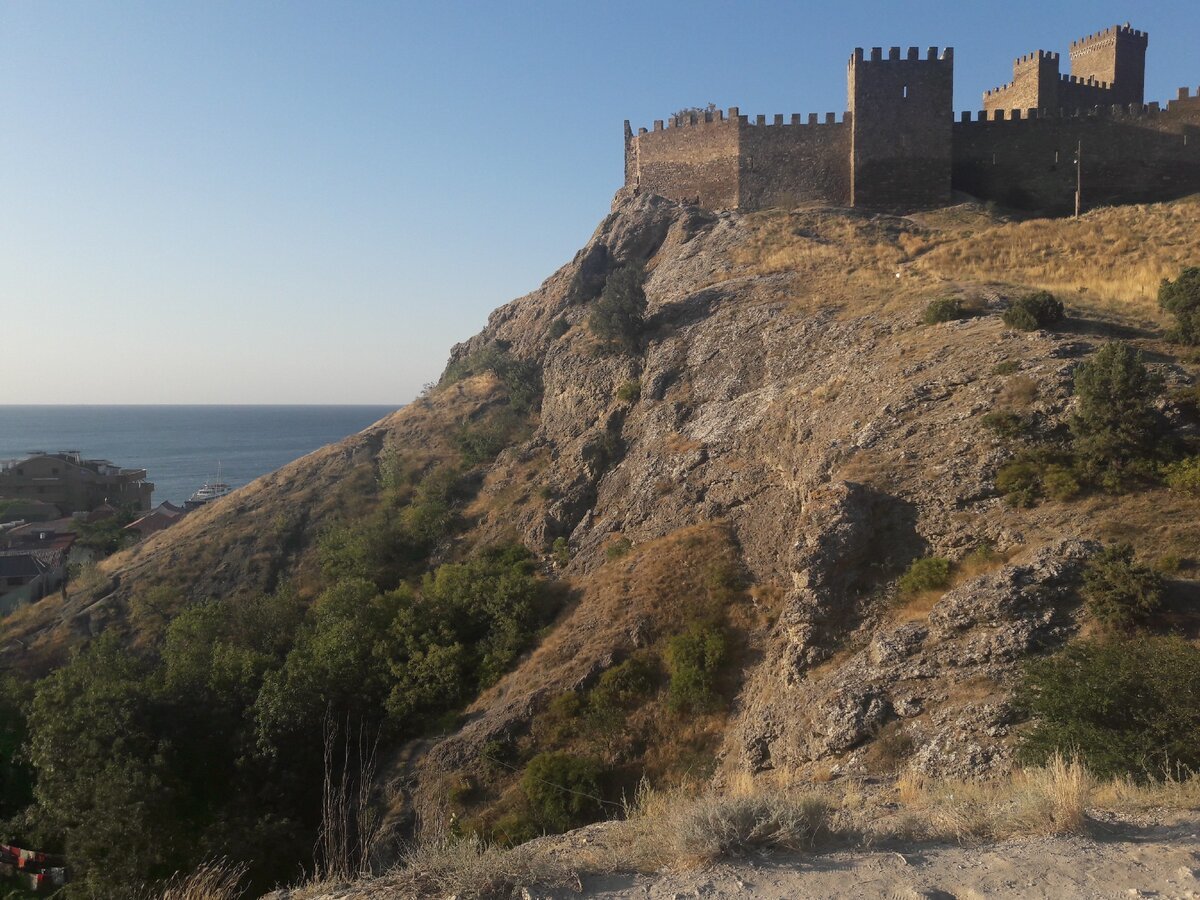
x: 182, y: 447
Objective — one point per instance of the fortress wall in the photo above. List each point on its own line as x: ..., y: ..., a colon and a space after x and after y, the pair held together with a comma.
x: 688, y: 160
x: 901, y: 115
x: 785, y: 165
x: 1034, y: 85
x: 1074, y: 93
x: 1028, y: 163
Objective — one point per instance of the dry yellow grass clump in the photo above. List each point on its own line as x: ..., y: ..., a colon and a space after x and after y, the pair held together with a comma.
x: 1112, y: 258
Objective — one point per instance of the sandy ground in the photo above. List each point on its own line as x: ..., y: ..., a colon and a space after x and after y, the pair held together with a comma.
x: 1113, y: 861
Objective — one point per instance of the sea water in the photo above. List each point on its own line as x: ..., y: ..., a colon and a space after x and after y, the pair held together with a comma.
x: 182, y: 446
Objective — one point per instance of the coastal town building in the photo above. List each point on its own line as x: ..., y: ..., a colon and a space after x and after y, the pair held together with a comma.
x: 900, y: 147
x: 72, y: 483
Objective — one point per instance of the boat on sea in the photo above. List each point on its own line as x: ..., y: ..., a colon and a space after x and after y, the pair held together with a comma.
x: 212, y: 490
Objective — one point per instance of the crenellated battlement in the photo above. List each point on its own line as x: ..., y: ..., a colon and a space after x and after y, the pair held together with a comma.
x: 1108, y: 36
x: 913, y: 55
x: 1002, y: 116
x: 900, y: 145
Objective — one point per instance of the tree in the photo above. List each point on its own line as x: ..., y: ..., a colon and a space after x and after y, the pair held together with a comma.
x: 1121, y: 593
x: 617, y: 317
x: 563, y: 790
x: 1115, y: 423
x: 1181, y: 298
x: 1126, y: 706
x: 1033, y: 311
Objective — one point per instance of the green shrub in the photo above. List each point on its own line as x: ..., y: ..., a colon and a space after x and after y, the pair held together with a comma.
x: 563, y: 791
x: 618, y: 549
x: 1181, y: 298
x: 1115, y: 423
x: 1004, y: 423
x: 630, y: 391
x: 558, y: 328
x: 944, y: 309
x: 482, y: 441
x: 931, y: 573
x: 498, y: 754
x: 522, y: 378
x: 1119, y: 592
x: 623, y: 686
x: 561, y: 551
x: 1183, y: 476
x: 1033, y: 311
x: 693, y: 661
x: 1060, y: 483
x: 1020, y: 483
x: 1125, y: 707
x: 1008, y: 367
x: 617, y: 317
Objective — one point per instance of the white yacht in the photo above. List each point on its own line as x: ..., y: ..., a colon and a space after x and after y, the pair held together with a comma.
x: 212, y: 490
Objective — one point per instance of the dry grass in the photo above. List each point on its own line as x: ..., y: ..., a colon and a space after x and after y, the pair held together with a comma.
x: 1045, y: 801
x: 216, y: 880
x: 1111, y: 259
x: 689, y: 827
x: 676, y: 829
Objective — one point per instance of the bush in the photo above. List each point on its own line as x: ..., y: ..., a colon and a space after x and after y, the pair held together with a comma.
x: 929, y: 574
x: 558, y: 328
x: 1033, y: 311
x: 563, y: 791
x: 1119, y: 592
x: 522, y: 378
x: 1006, y: 424
x: 1020, y: 482
x: 481, y: 442
x: 630, y: 391
x: 1060, y: 483
x: 944, y: 309
x: 693, y: 660
x: 1181, y: 298
x: 1125, y: 707
x: 618, y: 549
x: 617, y: 317
x: 622, y: 687
x: 561, y: 551
x: 1183, y: 476
x: 1115, y: 423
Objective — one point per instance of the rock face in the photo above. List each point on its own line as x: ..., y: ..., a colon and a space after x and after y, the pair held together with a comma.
x: 786, y: 392
x: 975, y: 635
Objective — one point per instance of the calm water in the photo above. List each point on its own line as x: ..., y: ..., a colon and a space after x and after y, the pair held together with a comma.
x: 180, y: 446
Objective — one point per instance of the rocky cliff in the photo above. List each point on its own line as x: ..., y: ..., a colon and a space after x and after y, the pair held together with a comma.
x: 786, y: 415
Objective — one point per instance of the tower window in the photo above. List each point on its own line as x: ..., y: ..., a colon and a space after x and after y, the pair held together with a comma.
x: 905, y: 92
x: 1056, y: 156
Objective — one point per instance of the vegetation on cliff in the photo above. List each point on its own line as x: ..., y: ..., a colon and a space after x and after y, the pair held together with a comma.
x: 712, y: 506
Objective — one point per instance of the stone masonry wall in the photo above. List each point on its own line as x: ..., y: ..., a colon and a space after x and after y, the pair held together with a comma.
x: 1034, y: 84
x: 1139, y: 156
x: 789, y: 164
x: 902, y: 117
x: 690, y: 160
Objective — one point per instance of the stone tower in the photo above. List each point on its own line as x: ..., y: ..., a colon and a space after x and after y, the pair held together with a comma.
x: 1116, y: 57
x: 902, y: 117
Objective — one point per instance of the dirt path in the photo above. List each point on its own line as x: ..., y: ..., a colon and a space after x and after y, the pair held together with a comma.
x: 1122, y: 861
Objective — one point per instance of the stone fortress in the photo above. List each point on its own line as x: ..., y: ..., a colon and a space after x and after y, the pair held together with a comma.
x: 899, y: 146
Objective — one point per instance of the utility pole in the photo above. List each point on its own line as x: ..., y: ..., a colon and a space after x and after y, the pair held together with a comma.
x: 1079, y: 179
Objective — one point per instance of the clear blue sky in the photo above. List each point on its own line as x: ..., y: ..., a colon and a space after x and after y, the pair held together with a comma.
x: 303, y: 202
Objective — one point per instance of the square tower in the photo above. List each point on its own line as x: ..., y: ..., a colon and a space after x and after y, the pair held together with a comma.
x: 902, y: 118
x: 1116, y: 57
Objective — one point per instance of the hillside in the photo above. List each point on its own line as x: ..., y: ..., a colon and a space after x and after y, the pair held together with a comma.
x: 783, y: 440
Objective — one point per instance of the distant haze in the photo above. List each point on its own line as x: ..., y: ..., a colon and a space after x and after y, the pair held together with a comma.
x: 224, y: 202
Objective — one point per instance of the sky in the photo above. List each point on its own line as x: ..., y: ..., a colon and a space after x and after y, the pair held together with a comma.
x: 311, y: 202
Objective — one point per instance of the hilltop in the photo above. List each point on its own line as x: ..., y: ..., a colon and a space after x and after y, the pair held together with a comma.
x: 749, y: 478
